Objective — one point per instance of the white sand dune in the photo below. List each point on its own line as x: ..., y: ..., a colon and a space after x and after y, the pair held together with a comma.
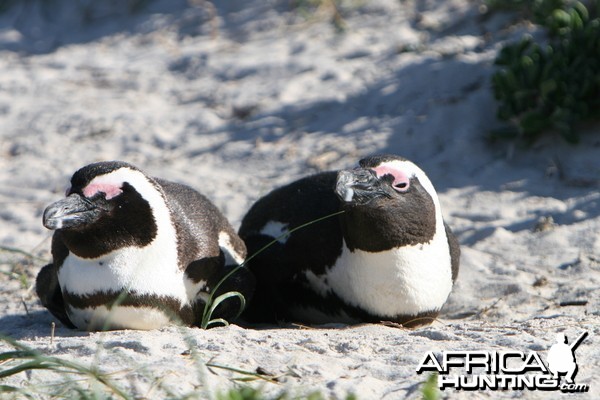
x: 239, y: 98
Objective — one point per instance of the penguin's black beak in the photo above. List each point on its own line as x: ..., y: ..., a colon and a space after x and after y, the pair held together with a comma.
x: 359, y: 186
x: 71, y: 212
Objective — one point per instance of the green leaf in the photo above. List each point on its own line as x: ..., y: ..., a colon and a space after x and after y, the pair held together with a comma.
x: 555, y: 86
x: 570, y: 136
x: 215, y: 321
x: 532, y: 122
x: 8, y: 389
x: 430, y: 390
x: 505, y: 132
x: 548, y: 87
x: 207, y: 321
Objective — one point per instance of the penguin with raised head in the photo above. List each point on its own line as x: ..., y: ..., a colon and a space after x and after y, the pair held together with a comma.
x: 386, y: 256
x: 134, y: 252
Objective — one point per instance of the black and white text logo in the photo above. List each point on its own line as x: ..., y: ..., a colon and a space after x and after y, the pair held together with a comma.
x: 508, y: 370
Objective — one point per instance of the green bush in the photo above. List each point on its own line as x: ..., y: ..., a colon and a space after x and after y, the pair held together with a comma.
x: 551, y: 87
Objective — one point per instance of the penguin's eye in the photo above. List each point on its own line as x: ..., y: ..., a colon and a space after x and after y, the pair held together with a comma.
x: 403, y: 186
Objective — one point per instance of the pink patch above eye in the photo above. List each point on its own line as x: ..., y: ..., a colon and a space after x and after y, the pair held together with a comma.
x: 109, y: 191
x: 401, y: 180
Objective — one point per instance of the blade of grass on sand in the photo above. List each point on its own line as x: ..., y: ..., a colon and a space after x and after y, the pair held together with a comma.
x: 30, y: 359
x: 206, y: 322
x: 15, y: 250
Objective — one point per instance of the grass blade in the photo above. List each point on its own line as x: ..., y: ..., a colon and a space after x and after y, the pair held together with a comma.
x: 208, y: 307
x: 221, y: 321
x: 206, y: 321
x: 35, y: 364
x: 8, y: 389
x: 8, y: 249
x: 9, y: 355
x: 31, y: 359
x: 251, y: 374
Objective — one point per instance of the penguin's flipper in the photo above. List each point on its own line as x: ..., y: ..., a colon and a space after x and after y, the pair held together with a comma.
x: 48, y: 290
x: 271, y: 269
x: 454, y: 252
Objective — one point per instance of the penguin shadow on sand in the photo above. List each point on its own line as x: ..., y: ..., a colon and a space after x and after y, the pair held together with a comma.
x: 33, y: 324
x: 561, y: 357
x: 64, y: 24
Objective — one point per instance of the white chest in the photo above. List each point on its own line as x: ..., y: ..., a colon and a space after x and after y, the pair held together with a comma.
x: 405, y: 281
x: 141, y: 271
x: 145, y: 270
x: 119, y: 317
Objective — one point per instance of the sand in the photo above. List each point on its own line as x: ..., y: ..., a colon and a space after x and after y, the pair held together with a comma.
x: 239, y: 98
